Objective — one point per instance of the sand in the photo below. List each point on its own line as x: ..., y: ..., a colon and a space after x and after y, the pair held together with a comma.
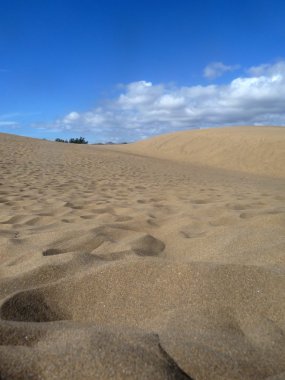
x: 162, y: 259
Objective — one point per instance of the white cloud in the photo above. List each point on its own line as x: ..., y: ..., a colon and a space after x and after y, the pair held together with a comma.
x: 72, y: 116
x: 170, y: 102
x: 139, y: 94
x: 217, y: 69
x: 144, y: 109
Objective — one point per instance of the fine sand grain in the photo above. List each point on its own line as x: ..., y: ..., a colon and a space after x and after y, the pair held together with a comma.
x: 162, y: 259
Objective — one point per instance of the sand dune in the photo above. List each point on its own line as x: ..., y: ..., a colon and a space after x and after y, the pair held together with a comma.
x: 256, y: 150
x: 116, y: 263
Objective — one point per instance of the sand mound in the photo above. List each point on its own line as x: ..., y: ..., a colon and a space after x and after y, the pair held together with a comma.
x: 121, y: 265
x: 257, y: 150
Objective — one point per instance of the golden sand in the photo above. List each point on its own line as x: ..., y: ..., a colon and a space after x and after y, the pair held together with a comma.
x: 162, y: 259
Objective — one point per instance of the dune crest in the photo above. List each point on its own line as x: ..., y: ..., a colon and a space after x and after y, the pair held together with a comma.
x: 256, y: 150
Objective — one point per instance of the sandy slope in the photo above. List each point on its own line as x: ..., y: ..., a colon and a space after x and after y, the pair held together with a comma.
x: 257, y: 150
x: 119, y: 265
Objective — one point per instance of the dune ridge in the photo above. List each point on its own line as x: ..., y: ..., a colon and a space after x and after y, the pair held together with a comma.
x: 255, y: 150
x: 118, y: 264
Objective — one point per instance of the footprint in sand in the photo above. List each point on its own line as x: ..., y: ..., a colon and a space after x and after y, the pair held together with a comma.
x: 147, y: 246
x: 191, y: 235
x: 30, y: 306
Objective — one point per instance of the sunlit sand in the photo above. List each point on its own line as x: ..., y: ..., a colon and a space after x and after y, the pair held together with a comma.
x: 162, y: 259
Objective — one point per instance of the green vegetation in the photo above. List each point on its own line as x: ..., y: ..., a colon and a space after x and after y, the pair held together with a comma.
x: 61, y: 140
x: 80, y: 140
x: 77, y: 140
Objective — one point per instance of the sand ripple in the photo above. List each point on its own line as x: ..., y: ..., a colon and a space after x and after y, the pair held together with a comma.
x: 115, y: 265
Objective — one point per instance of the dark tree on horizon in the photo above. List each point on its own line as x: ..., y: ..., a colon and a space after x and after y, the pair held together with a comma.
x: 77, y: 140
x: 61, y: 140
x: 80, y: 140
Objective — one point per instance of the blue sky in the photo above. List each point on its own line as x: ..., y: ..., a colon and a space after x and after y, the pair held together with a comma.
x: 125, y: 70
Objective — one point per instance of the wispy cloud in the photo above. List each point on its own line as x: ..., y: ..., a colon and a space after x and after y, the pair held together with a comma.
x: 7, y: 123
x: 16, y: 119
x: 217, y: 69
x: 144, y: 109
x: 267, y: 69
